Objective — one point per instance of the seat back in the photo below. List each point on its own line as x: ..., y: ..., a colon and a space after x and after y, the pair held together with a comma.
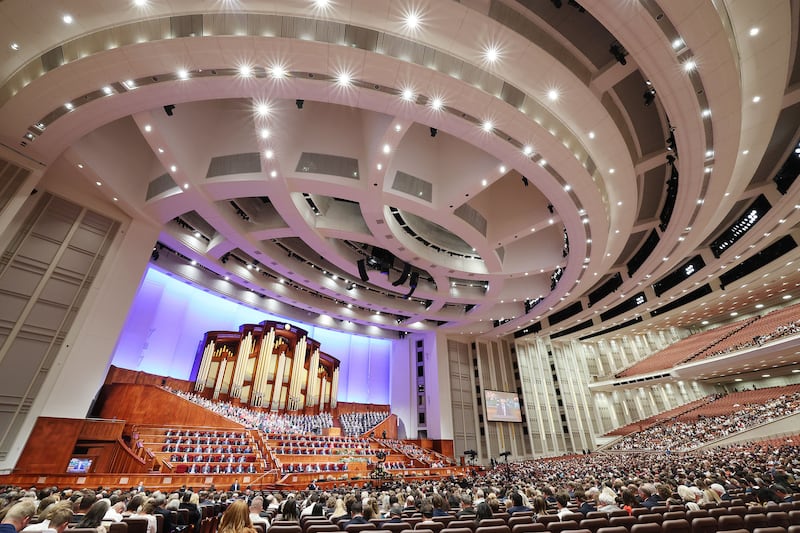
x: 492, y: 529
x: 593, y: 524
x: 116, y: 527
x: 625, y: 521
x: 519, y: 519
x: 774, y: 529
x: 558, y: 527
x: 395, y: 527
x: 650, y: 527
x: 136, y: 525
x: 730, y: 522
x: 778, y: 519
x: 678, y: 525
x: 674, y: 515
x: 650, y: 518
x: 490, y: 522
x: 704, y: 524
x: 532, y: 527
x: 753, y: 521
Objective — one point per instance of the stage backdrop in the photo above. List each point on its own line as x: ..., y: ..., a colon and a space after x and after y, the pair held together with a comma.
x: 168, y: 318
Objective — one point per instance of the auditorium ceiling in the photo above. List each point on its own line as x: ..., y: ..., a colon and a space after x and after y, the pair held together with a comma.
x: 499, y: 166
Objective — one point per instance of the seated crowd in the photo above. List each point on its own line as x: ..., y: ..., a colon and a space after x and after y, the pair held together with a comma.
x: 354, y: 424
x: 681, y: 433
x: 269, y: 422
x: 760, y: 475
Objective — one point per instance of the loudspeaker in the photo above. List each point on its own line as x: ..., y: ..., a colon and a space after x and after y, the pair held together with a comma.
x: 362, y: 270
x: 403, y: 276
x: 414, y: 280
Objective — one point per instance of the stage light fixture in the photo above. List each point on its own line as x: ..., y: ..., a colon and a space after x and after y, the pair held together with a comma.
x: 299, y: 103
x: 619, y: 53
x: 169, y: 109
x: 434, y: 131
x: 362, y: 270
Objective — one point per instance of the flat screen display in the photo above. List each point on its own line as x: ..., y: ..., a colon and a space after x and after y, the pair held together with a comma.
x: 502, y: 407
x: 79, y: 465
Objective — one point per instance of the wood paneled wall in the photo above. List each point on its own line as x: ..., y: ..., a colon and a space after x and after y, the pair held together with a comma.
x: 123, y: 375
x: 148, y: 405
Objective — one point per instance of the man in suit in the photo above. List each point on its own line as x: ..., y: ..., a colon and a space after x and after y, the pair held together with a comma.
x: 236, y: 486
x: 584, y: 506
x: 160, y: 501
x: 356, y: 511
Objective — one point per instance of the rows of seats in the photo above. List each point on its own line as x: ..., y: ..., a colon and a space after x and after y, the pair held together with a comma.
x: 731, y: 403
x: 655, y: 419
x: 201, y: 450
x: 677, y: 352
x: 739, y: 335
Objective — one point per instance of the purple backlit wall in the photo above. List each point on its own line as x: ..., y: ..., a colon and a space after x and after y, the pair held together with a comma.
x: 169, y: 317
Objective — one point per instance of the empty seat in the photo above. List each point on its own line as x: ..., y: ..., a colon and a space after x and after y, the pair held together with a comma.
x: 489, y: 522
x: 558, y: 527
x: 753, y: 521
x: 650, y: 518
x: 674, y: 515
x: 613, y: 529
x: 533, y: 527
x: 794, y: 518
x: 651, y: 527
x: 691, y: 515
x: 456, y: 530
x: 593, y: 524
x: 778, y: 519
x: 704, y: 524
x: 492, y: 529
x: 774, y: 529
x: 729, y: 522
x: 625, y: 521
x: 678, y: 525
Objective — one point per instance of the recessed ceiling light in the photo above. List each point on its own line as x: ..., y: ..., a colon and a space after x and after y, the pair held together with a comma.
x: 173, y: 168
x: 759, y: 306
x: 264, y: 133
x: 745, y: 152
x: 754, y: 31
x: 491, y: 53
x: 245, y: 71
x: 704, y: 322
x: 183, y: 74
x: 734, y: 313
x: 527, y: 149
x: 407, y: 94
x: 567, y: 187
x: 611, y: 170
x: 344, y: 79
x: 591, y: 135
x: 677, y: 43
x: 107, y: 90
x: 115, y: 199
x: 379, y: 166
x: 277, y: 71
x: 552, y: 95
x: 487, y: 126
x: 484, y: 183
x: 14, y: 46
x: 69, y: 106
x: 185, y: 185
x: 68, y: 19
x: 543, y: 162
x: 756, y: 99
x: 262, y: 109
x: 148, y: 128
x: 502, y: 169
x: 412, y: 19
x: 787, y: 296
x: 273, y: 174
x: 689, y: 65
x: 765, y: 375
x: 436, y: 103
x: 130, y: 84
x: 397, y: 128
x: 386, y: 148
x: 160, y: 150
x: 269, y: 154
x: 98, y: 183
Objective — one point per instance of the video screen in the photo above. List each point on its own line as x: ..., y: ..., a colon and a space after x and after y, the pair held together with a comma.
x: 502, y: 407
x: 79, y: 465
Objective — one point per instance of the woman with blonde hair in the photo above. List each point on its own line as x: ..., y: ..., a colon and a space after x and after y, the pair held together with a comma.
x: 339, y: 509
x: 236, y: 519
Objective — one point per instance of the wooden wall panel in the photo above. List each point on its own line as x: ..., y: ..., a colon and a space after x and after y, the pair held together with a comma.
x: 389, y: 425
x: 149, y: 405
x: 101, y: 430
x: 123, y: 375
x: 49, y: 447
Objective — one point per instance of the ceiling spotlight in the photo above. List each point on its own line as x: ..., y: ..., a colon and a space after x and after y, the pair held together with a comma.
x: 525, y: 181
x: 245, y: 71
x: 434, y: 131
x: 407, y: 94
x: 689, y: 66
x: 677, y: 43
x: 649, y: 97
x: 299, y: 103
x: 107, y: 90
x: 436, y: 103
x: 14, y: 46
x: 69, y: 106
x: 169, y: 109
x: 173, y: 168
x: 273, y: 174
x: 754, y: 31
x: 487, y: 126
x: 264, y: 133
x: 183, y: 74
x: 756, y: 99
x: 269, y: 154
x: 386, y: 148
x: 552, y: 95
x: 148, y: 128
x: 527, y: 150
x: 67, y: 19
